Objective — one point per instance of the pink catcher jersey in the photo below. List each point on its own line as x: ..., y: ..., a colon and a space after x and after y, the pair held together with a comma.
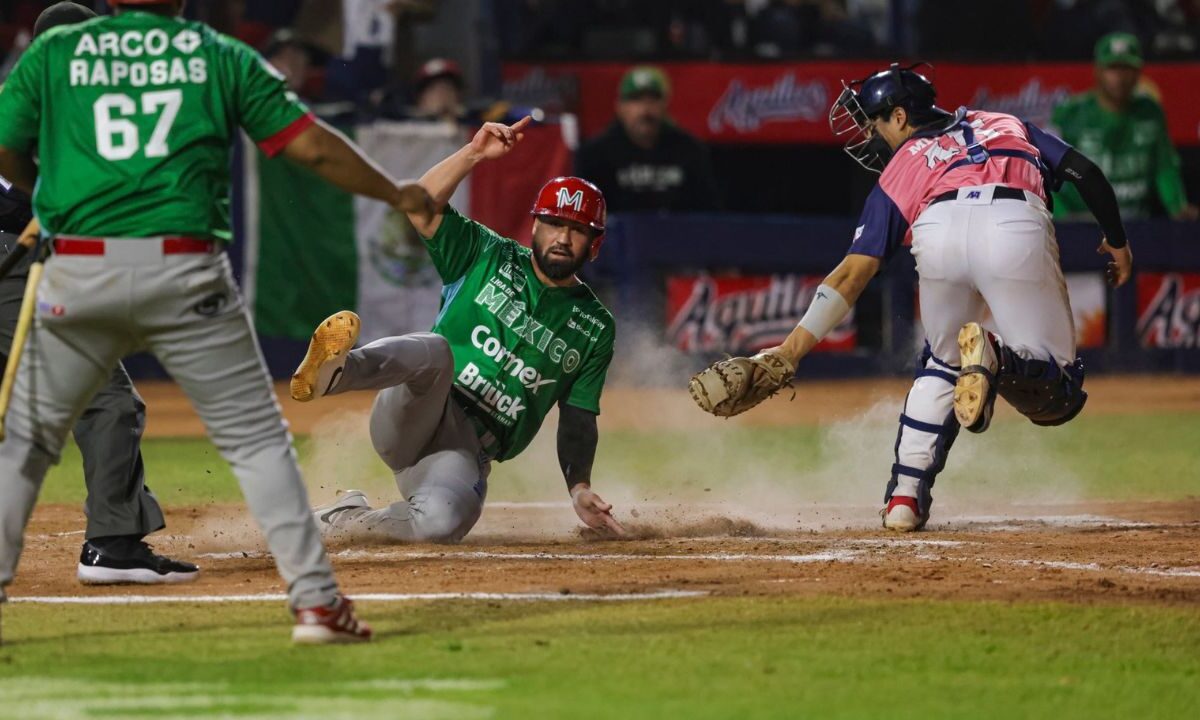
x: 1010, y: 152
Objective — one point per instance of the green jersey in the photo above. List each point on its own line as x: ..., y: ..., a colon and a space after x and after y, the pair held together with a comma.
x: 132, y: 116
x: 1132, y: 148
x: 519, y: 346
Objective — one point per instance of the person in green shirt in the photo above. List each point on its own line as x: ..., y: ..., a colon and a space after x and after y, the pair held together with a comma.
x: 130, y: 118
x: 516, y: 334
x: 1125, y: 133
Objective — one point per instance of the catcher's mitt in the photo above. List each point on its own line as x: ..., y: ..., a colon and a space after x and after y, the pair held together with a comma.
x: 733, y: 386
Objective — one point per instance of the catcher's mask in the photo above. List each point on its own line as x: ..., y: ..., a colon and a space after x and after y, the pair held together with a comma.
x: 861, y: 101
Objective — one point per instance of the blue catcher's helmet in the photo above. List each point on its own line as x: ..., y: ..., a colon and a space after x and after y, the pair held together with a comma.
x: 861, y: 101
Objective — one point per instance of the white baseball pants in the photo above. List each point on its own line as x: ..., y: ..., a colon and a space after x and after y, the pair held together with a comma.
x: 976, y: 255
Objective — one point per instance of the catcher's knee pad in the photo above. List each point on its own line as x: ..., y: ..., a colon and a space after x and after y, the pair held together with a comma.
x: 1041, y: 390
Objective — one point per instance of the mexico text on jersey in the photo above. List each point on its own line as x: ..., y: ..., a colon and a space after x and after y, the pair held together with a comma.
x: 519, y: 347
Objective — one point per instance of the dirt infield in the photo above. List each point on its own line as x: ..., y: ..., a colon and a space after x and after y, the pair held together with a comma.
x: 641, y: 408
x: 1143, y: 552
x: 1094, y: 552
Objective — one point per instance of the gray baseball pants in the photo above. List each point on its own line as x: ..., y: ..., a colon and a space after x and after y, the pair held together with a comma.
x: 109, y: 435
x: 424, y: 436
x: 94, y: 310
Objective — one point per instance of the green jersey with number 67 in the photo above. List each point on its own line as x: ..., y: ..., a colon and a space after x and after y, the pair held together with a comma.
x: 132, y: 116
x: 519, y: 346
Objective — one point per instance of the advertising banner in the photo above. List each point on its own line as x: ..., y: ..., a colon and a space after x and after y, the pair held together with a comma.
x: 1168, y: 310
x: 1089, y: 306
x: 789, y: 102
x: 741, y: 314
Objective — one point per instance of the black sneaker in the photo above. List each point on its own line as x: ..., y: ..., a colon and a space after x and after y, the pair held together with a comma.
x: 129, y: 561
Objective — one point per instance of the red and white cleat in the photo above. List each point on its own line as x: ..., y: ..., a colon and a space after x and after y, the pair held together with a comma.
x: 902, y: 515
x: 327, y: 625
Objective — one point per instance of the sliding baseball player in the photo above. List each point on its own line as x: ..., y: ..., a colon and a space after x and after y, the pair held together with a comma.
x: 518, y: 332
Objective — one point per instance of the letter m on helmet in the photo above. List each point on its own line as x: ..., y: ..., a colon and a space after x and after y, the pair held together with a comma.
x: 573, y: 200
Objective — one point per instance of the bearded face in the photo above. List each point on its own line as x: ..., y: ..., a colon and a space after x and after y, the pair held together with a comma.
x: 561, y: 247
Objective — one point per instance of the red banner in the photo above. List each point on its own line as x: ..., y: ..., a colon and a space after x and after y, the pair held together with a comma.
x: 744, y: 313
x: 789, y: 103
x: 1168, y: 310
x: 502, y: 192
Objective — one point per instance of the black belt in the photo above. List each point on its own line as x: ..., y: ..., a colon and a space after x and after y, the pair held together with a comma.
x: 1000, y: 192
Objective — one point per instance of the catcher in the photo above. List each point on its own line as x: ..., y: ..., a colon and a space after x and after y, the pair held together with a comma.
x: 968, y: 190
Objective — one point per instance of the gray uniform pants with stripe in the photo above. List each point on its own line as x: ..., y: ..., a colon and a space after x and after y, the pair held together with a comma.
x: 423, y: 435
x: 109, y: 435
x: 94, y: 310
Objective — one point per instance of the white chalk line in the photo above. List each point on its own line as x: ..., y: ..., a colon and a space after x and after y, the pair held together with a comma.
x: 828, y: 556
x: 840, y: 555
x: 362, y: 597
x: 1008, y: 522
x: 1098, y: 568
x: 882, y: 543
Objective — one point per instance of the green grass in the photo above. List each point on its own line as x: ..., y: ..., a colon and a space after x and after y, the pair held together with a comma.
x: 1100, y: 458
x: 710, y: 658
x: 715, y: 658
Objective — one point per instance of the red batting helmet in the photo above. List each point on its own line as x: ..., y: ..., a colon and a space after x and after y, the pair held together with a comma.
x: 574, y: 199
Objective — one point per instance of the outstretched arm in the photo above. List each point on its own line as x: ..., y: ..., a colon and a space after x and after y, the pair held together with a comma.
x: 834, y: 298
x: 577, y: 439
x: 332, y: 156
x: 492, y: 141
x: 1070, y: 165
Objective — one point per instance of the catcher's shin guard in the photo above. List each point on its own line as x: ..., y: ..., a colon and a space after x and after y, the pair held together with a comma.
x: 927, y: 431
x: 1041, y: 390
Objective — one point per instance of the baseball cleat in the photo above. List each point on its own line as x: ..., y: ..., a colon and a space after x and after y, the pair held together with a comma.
x: 975, y: 391
x: 335, y: 623
x: 321, y: 368
x: 902, y: 515
x: 326, y: 515
x: 130, y: 561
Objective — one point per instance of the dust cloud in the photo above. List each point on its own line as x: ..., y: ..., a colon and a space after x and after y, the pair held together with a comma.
x: 671, y: 471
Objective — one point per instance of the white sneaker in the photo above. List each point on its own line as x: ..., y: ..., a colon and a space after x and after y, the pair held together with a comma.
x: 321, y: 368
x: 975, y: 391
x: 327, y: 515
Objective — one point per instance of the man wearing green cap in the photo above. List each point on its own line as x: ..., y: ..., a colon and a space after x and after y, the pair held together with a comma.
x: 1125, y: 133
x: 643, y: 161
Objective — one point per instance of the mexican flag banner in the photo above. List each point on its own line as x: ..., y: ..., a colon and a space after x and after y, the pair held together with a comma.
x: 311, y: 249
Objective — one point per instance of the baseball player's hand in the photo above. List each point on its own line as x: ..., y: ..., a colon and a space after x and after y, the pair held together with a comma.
x: 29, y: 236
x: 593, y: 511
x: 495, y: 140
x: 1119, y: 270
x: 1189, y: 212
x: 412, y: 198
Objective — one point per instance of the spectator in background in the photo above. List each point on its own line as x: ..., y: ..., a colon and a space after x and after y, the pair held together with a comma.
x: 438, y: 91
x: 1125, y: 132
x: 643, y: 161
x: 291, y: 57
